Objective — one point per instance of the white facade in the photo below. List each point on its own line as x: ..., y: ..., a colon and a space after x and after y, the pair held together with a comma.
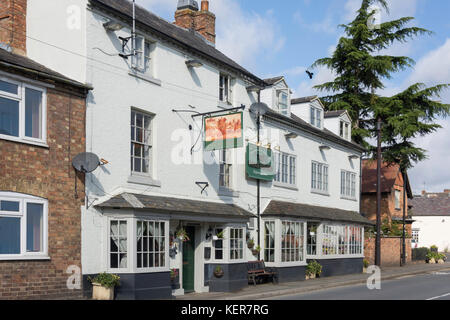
x: 89, y: 54
x: 432, y: 230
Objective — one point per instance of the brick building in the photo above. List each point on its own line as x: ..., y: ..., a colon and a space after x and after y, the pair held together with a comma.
x: 42, y: 127
x: 391, y: 210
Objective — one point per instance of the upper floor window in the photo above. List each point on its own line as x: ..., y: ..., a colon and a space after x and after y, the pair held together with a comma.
x: 397, y: 199
x: 225, y: 88
x: 316, y: 117
x: 225, y: 169
x: 344, y: 130
x: 285, y: 168
x: 283, y: 106
x: 22, y: 111
x: 142, y: 60
x: 319, y: 177
x: 348, y: 184
x: 23, y: 226
x: 141, y: 142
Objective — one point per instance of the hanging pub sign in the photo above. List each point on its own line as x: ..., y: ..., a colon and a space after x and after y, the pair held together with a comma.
x: 260, y: 163
x: 224, y: 132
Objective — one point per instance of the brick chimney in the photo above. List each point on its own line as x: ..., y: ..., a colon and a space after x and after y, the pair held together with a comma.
x: 447, y: 191
x: 188, y: 16
x: 424, y: 192
x: 13, y: 25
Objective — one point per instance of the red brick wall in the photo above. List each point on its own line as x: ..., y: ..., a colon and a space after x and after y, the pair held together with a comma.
x: 13, y: 24
x: 204, y: 22
x: 47, y: 173
x: 391, y: 248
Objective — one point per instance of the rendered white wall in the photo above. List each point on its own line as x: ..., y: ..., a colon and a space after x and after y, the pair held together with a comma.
x: 433, y: 231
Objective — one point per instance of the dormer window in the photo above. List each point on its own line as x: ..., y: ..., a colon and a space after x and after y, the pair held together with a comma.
x: 316, y: 117
x: 283, y: 106
x: 344, y: 130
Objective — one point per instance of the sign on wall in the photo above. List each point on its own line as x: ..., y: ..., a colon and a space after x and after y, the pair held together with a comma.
x: 224, y: 132
x: 260, y: 163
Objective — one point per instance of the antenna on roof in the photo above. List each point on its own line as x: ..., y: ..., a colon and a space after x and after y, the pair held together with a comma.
x: 133, y: 37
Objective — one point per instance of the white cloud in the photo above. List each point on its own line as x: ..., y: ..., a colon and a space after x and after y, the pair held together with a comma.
x: 245, y: 36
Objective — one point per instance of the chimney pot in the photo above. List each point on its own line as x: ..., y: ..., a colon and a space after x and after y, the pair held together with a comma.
x: 424, y: 192
x: 205, y: 5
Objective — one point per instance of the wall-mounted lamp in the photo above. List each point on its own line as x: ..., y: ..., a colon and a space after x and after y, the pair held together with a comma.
x: 353, y: 157
x: 324, y: 147
x: 194, y: 64
x: 291, y: 135
x: 113, y: 26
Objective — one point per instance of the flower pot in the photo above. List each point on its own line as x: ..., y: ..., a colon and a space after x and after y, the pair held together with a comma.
x: 218, y: 274
x: 255, y: 252
x: 432, y: 261
x: 102, y: 293
x: 441, y: 261
x: 250, y: 246
x: 310, y: 276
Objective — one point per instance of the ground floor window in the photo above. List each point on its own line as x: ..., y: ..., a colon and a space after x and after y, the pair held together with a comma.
x: 312, y: 239
x: 118, y: 244
x: 292, y: 239
x: 151, y: 243
x: 218, y: 244
x: 341, y: 240
x: 236, y: 243
x: 23, y: 225
x: 269, y: 241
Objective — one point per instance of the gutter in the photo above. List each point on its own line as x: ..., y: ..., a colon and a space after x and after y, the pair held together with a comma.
x: 48, y: 76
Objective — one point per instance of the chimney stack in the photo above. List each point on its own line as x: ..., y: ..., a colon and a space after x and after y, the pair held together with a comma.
x: 424, y: 192
x: 13, y: 25
x: 447, y: 191
x: 189, y: 17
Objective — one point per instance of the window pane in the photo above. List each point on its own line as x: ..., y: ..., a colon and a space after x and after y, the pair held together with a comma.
x: 11, y: 206
x: 8, y: 87
x: 35, y: 230
x: 9, y: 235
x: 9, y: 117
x: 33, y: 113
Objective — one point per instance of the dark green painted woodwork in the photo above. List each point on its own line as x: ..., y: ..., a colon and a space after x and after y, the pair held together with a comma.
x: 188, y: 260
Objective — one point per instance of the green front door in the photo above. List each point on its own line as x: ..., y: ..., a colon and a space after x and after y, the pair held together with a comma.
x: 188, y: 261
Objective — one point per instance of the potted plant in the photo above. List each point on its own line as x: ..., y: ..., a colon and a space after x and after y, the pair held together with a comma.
x: 434, y: 248
x: 256, y: 250
x: 365, y: 265
x: 103, y: 286
x: 174, y: 278
x: 313, y: 270
x: 218, y: 272
x: 250, y: 244
x: 182, y: 235
x: 219, y: 235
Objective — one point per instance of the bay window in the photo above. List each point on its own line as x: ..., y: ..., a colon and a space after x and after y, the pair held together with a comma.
x: 23, y: 226
x: 292, y: 241
x: 269, y: 241
x: 236, y: 243
x: 22, y: 112
x: 151, y: 244
x: 118, y: 250
x: 339, y: 240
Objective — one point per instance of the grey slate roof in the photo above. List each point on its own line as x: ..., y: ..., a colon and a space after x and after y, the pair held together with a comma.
x: 299, y: 210
x: 15, y: 61
x: 301, y: 124
x: 333, y: 114
x: 303, y: 99
x: 174, y: 205
x: 431, y: 204
x: 272, y: 81
x: 180, y: 36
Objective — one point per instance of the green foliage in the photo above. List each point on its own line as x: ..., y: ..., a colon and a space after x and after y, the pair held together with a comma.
x: 420, y: 254
x: 434, y: 248
x: 182, y: 235
x: 366, y: 263
x: 106, y: 280
x: 393, y: 229
x: 436, y: 256
x: 218, y: 269
x: 360, y: 70
x: 313, y: 268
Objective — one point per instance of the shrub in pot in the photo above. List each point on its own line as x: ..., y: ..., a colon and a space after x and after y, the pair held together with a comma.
x: 103, y: 286
x: 313, y: 270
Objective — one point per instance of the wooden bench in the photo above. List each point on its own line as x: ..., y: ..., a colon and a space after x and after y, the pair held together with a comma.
x: 257, y: 270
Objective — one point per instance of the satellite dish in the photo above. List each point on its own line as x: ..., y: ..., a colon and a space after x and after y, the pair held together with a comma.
x: 86, y: 162
x: 259, y: 108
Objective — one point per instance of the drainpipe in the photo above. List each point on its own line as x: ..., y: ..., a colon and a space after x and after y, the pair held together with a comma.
x: 258, y: 183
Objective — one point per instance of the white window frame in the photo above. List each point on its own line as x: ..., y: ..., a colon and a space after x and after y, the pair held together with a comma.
x: 225, y: 90
x: 316, y: 115
x: 348, y: 185
x: 132, y: 244
x: 145, y: 144
x: 320, y: 178
x: 280, y: 94
x: 240, y: 250
x: 143, y: 60
x: 290, y: 166
x: 20, y: 97
x: 415, y: 236
x: 397, y: 199
x: 302, y: 233
x: 225, y: 169
x: 22, y: 215
x: 274, y: 241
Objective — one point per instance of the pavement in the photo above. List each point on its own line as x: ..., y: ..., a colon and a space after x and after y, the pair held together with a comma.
x: 268, y: 291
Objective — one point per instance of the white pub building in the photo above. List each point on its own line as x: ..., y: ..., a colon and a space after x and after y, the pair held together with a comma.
x: 175, y: 210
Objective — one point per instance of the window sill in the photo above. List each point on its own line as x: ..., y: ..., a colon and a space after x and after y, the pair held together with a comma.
x: 224, y: 104
x: 225, y: 192
x: 144, y: 180
x: 24, y: 141
x: 285, y: 185
x: 145, y: 77
x: 349, y: 198
x: 322, y: 193
x: 23, y: 258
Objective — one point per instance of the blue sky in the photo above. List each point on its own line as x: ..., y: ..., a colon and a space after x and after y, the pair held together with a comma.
x: 285, y: 37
